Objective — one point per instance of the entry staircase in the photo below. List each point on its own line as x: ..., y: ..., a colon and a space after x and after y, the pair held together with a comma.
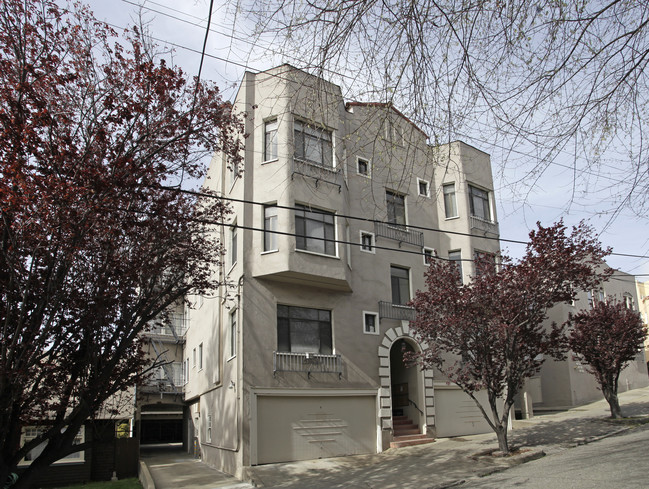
x: 406, y: 433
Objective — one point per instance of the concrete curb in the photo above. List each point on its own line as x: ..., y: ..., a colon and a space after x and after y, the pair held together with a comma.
x: 145, y: 476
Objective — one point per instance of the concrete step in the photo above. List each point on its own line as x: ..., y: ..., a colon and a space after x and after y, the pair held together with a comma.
x: 410, y: 440
x: 409, y: 430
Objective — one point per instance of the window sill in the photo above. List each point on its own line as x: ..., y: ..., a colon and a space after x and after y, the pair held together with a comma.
x: 269, y: 252
x: 364, y: 175
x: 369, y: 252
x: 314, y: 253
x: 269, y: 161
x: 451, y: 218
x: 374, y: 333
x: 231, y: 358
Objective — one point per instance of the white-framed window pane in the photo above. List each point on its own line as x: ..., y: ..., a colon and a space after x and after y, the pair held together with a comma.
x: 304, y: 330
x: 370, y: 322
x: 313, y: 144
x: 479, y: 200
x: 450, y: 204
x: 396, y: 205
x: 400, y: 282
x: 233, y: 333
x: 200, y: 356
x: 367, y: 242
x: 315, y: 231
x: 270, y: 140
x: 363, y: 167
x: 233, y: 246
x: 270, y: 227
x: 456, y: 256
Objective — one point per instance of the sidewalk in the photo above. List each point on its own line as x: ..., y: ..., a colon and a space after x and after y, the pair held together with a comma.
x: 445, y: 463
x: 449, y: 461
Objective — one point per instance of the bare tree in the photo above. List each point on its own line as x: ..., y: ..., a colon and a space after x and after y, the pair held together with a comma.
x: 553, y: 77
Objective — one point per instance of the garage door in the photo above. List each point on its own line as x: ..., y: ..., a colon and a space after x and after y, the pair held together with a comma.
x: 456, y: 414
x: 304, y: 428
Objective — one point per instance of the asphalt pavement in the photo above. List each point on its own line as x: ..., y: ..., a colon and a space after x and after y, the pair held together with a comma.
x: 447, y: 462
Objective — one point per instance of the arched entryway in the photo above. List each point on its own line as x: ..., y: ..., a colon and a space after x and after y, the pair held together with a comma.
x: 393, y: 371
x: 405, y: 383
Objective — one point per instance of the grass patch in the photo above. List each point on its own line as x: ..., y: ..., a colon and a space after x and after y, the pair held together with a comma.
x: 132, y: 483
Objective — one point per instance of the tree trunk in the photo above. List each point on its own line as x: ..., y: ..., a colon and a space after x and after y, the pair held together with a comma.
x: 503, y: 444
x: 611, y: 397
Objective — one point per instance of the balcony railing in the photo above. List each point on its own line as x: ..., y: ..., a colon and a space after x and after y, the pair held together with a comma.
x: 481, y: 224
x: 396, y: 311
x: 176, y: 328
x: 399, y: 233
x: 329, y: 174
x: 307, y: 362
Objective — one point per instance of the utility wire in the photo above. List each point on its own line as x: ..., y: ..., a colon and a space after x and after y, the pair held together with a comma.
x: 364, y: 219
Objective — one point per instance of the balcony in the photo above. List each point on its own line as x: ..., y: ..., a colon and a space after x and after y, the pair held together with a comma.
x: 169, y: 380
x: 388, y: 310
x: 175, y: 329
x: 307, y: 362
x: 399, y: 233
x: 484, y: 225
x: 320, y: 173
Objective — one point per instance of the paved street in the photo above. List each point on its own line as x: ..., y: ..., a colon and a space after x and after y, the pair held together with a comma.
x: 617, y: 462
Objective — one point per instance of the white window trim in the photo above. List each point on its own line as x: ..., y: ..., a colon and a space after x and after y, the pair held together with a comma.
x: 320, y: 127
x: 419, y: 181
x: 265, y: 123
x: 369, y: 167
x: 457, y: 210
x: 263, y: 235
x: 433, y: 253
x: 231, y: 230
x: 367, y: 233
x: 194, y: 358
x: 76, y: 460
x: 230, y: 316
x: 200, y: 357
x: 336, y: 236
x: 376, y: 322
x: 208, y: 431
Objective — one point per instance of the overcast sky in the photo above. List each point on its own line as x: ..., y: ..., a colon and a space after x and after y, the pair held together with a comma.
x: 181, y: 24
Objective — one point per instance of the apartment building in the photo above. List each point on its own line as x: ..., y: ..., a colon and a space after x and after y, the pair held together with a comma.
x: 337, y: 209
x: 567, y: 383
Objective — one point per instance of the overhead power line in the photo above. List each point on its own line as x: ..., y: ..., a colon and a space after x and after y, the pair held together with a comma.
x: 364, y: 219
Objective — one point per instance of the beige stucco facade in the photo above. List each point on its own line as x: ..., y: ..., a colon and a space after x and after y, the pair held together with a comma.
x: 642, y: 289
x: 565, y: 384
x: 301, y: 352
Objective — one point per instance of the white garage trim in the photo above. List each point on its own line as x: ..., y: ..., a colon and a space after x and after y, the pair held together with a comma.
x: 309, y: 393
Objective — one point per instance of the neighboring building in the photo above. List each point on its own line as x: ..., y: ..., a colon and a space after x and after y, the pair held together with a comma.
x: 301, y: 356
x: 565, y: 384
x: 643, y: 306
x: 159, y: 414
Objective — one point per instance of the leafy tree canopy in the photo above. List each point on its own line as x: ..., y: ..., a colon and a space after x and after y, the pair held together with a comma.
x: 91, y: 248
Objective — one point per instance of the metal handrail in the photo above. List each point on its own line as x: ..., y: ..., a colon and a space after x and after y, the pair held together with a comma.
x: 410, y: 401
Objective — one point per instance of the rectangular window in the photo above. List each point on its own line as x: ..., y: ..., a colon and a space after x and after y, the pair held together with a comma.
x: 270, y: 227
x: 456, y: 256
x: 315, y: 230
x: 363, y: 167
x: 429, y: 254
x: 423, y: 188
x: 233, y: 333
x: 483, y: 262
x: 400, y: 282
x: 479, y: 200
x: 200, y: 356
x: 450, y: 204
x: 270, y: 140
x: 32, y: 432
x: 209, y: 428
x: 396, y: 204
x: 234, y: 172
x: 367, y: 242
x: 194, y: 358
x: 313, y: 144
x: 187, y: 371
x: 233, y: 246
x: 302, y: 330
x: 370, y: 322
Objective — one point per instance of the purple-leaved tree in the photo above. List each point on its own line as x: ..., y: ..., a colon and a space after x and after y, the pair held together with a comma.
x: 491, y: 333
